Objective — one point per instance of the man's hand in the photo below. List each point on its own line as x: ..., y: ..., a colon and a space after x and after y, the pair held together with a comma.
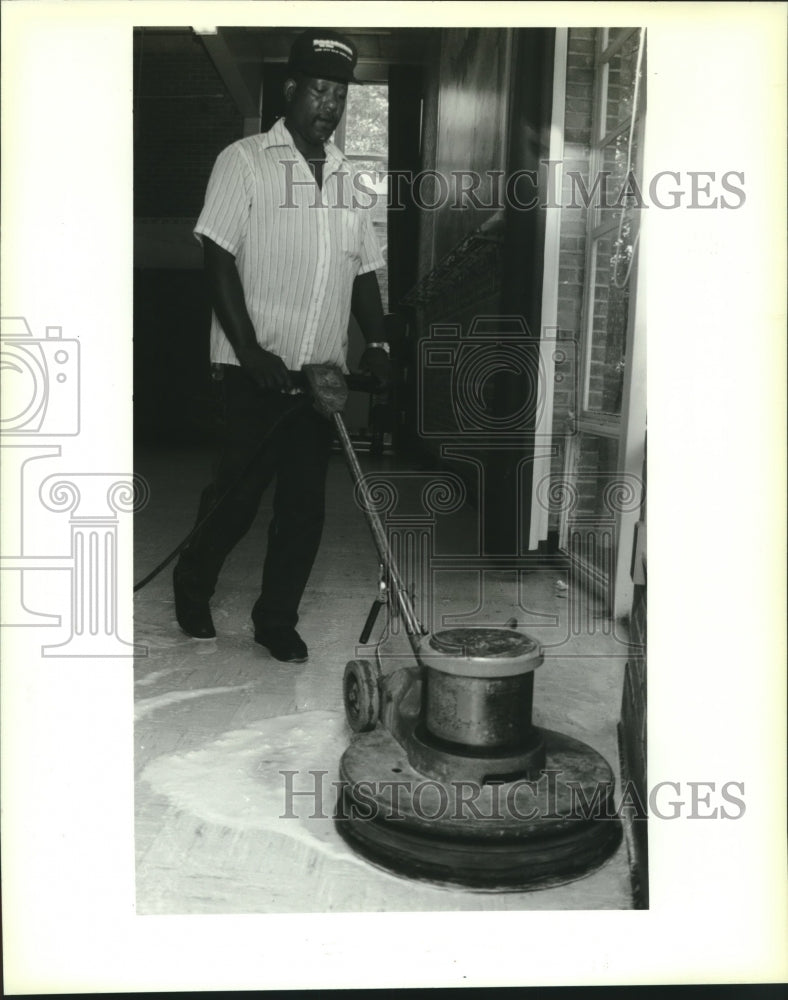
x: 376, y: 361
x: 267, y: 369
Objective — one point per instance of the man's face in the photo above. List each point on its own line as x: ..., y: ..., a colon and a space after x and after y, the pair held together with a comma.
x: 314, y: 107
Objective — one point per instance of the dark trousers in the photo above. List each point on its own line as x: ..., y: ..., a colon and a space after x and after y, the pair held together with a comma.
x: 297, y: 454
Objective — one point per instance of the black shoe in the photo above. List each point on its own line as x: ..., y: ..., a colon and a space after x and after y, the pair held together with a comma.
x: 282, y: 643
x: 194, y: 617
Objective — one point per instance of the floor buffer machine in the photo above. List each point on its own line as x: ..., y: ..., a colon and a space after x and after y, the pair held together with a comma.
x: 446, y: 777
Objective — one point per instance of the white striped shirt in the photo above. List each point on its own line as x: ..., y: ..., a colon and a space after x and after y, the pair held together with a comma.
x: 297, y: 249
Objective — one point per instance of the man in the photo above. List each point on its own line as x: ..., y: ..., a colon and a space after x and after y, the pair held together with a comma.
x: 288, y: 254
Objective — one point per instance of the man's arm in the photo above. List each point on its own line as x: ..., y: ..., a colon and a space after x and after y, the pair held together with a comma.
x: 367, y: 308
x: 229, y: 304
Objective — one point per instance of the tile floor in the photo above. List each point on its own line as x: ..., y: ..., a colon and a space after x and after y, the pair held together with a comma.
x: 217, y: 721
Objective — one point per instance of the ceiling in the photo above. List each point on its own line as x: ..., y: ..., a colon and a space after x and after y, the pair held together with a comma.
x: 239, y: 54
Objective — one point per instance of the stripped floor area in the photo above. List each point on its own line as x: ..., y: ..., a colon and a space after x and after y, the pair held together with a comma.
x: 236, y: 753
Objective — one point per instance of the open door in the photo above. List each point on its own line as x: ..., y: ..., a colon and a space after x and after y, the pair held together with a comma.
x: 598, y: 490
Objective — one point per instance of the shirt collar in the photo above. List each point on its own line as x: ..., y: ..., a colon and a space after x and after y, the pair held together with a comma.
x: 279, y: 135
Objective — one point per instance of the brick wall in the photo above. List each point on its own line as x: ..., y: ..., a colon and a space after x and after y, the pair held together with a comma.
x: 572, y: 259
x: 183, y: 117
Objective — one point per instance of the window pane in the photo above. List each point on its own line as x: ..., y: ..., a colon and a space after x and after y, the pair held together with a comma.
x: 607, y: 348
x: 597, y: 464
x: 367, y: 120
x: 617, y: 188
x: 614, y: 33
x: 619, y: 80
x: 366, y: 146
x: 591, y: 523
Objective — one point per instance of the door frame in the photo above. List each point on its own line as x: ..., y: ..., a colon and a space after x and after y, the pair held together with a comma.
x: 628, y: 429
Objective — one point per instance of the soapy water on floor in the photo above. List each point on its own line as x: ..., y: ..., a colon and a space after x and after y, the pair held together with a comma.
x: 233, y: 785
x: 148, y: 705
x: 210, y: 836
x: 235, y: 781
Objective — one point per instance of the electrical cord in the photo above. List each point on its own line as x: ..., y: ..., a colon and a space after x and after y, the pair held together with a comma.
x: 287, y: 414
x: 361, y: 382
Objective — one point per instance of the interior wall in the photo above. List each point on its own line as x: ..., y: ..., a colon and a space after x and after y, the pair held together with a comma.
x: 406, y: 103
x: 462, y: 130
x: 183, y: 117
x: 475, y: 68
x: 522, y: 261
x: 488, y: 108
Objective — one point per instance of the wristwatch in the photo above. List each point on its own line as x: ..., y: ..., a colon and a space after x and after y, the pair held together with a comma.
x: 382, y: 345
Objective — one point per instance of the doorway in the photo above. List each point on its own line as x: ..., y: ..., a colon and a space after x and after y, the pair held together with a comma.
x: 593, y: 325
x: 363, y: 136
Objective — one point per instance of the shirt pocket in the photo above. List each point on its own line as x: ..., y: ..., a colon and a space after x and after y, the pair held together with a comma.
x: 349, y: 231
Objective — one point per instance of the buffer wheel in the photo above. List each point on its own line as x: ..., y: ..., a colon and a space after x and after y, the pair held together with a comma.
x: 361, y: 691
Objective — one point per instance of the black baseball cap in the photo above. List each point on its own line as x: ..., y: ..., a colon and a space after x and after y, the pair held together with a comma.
x: 324, y: 55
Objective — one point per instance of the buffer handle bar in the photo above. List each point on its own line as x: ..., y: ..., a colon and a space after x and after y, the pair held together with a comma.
x: 329, y: 388
x: 412, y: 625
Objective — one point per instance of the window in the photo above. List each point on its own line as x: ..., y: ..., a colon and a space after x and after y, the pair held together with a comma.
x: 603, y: 458
x: 366, y: 146
x: 613, y: 220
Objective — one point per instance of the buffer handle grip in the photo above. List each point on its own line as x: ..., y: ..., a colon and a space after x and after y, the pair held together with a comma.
x: 374, y: 611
